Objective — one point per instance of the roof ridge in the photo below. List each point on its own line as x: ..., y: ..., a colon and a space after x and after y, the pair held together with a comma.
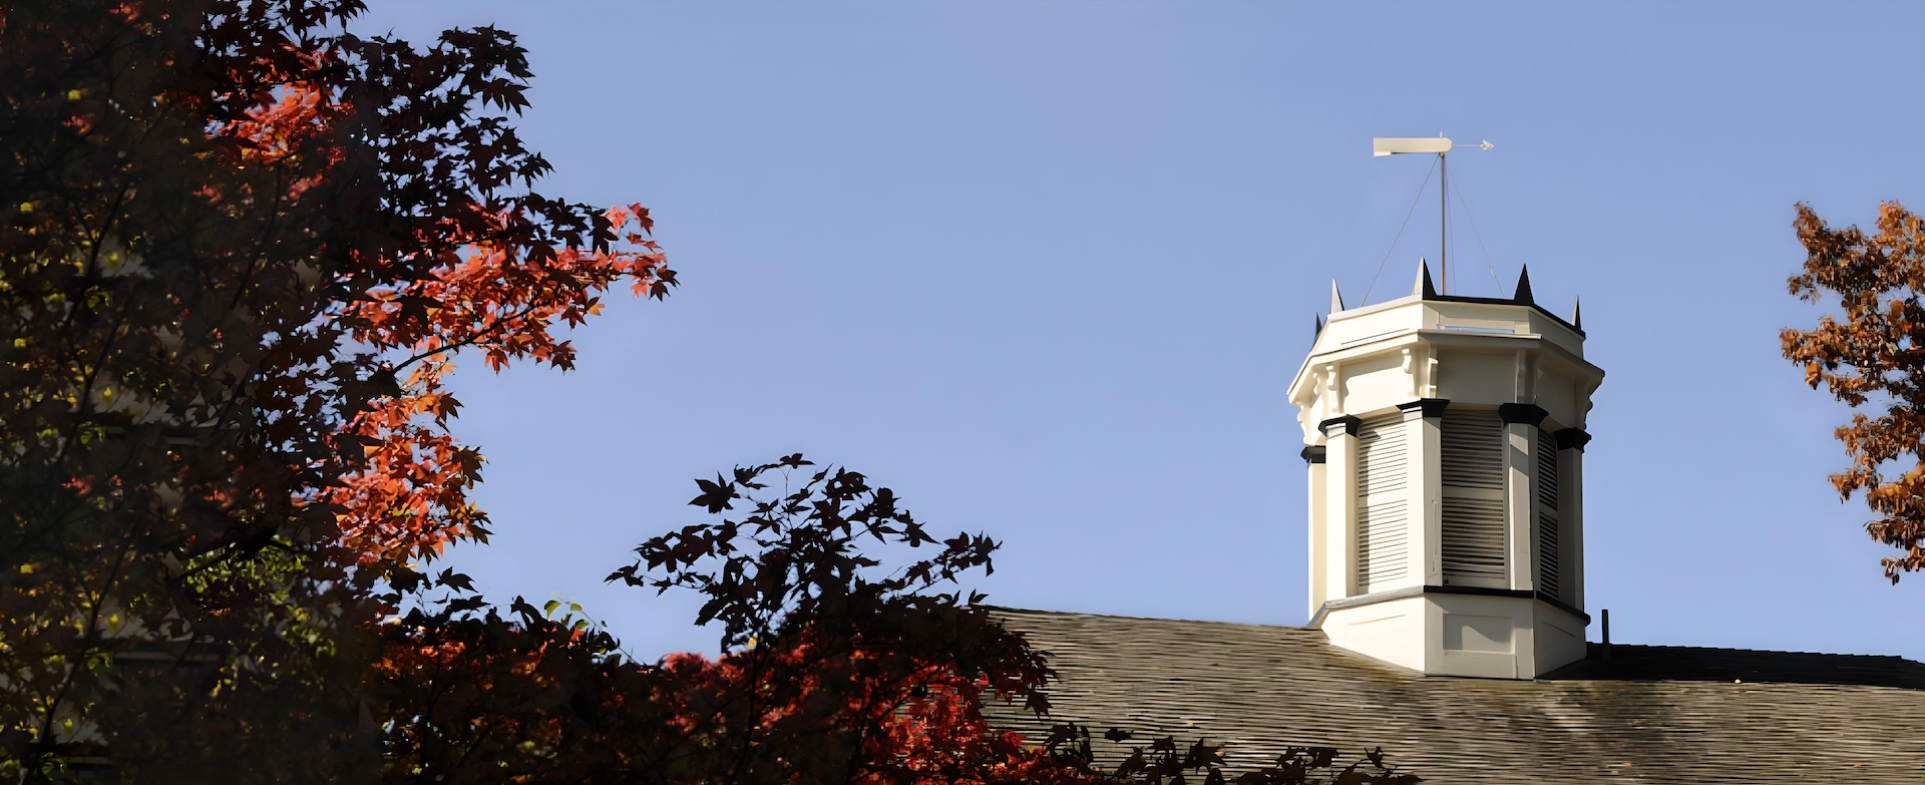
x: 1894, y: 658
x: 1040, y: 611
x: 1898, y: 657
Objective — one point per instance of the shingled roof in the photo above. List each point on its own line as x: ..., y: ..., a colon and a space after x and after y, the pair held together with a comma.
x: 1651, y: 714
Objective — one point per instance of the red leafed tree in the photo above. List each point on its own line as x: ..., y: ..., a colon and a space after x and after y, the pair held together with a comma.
x: 239, y: 250
x: 1871, y: 354
x: 838, y: 667
x: 833, y: 674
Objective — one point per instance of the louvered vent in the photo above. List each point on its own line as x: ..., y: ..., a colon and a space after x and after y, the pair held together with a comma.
x: 1548, y: 562
x: 1473, y: 451
x: 1382, y: 503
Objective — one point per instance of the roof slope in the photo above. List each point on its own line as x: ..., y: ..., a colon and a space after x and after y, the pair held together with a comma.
x: 1650, y: 715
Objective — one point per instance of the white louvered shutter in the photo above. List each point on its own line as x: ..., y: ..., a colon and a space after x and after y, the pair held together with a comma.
x: 1473, y: 446
x: 1383, y: 507
x: 1549, y: 564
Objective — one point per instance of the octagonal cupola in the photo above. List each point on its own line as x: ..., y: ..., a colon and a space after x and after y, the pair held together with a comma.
x: 1445, y: 438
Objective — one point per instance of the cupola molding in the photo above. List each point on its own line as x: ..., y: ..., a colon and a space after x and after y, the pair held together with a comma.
x: 1430, y: 407
x: 1522, y: 413
x: 1345, y: 422
x: 1468, y: 591
x: 1572, y: 439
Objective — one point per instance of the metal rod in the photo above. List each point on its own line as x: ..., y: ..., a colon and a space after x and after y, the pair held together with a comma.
x: 1607, y: 634
x: 1443, y: 218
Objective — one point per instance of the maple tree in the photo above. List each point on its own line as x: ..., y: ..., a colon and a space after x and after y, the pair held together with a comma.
x: 838, y: 667
x: 240, y: 250
x: 831, y: 675
x: 1872, y: 354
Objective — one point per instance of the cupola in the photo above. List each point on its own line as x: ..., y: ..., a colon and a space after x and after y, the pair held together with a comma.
x: 1445, y: 441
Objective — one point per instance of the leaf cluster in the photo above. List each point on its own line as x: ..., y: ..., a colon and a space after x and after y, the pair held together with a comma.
x: 1871, y: 355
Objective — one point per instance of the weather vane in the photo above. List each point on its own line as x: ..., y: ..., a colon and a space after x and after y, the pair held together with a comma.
x: 1382, y: 146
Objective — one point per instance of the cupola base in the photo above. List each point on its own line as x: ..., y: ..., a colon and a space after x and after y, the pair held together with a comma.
x: 1446, y: 631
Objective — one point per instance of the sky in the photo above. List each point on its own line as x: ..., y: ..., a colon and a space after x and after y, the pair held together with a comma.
x: 1046, y: 270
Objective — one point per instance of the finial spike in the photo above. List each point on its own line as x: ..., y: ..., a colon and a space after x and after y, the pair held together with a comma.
x: 1522, y: 296
x: 1336, y: 298
x: 1577, y: 313
x: 1424, y: 288
x: 1319, y: 332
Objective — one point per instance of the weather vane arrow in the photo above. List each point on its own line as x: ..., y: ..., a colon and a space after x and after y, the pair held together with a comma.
x: 1382, y: 146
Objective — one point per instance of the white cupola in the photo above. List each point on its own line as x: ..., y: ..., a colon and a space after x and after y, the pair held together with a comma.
x: 1445, y: 440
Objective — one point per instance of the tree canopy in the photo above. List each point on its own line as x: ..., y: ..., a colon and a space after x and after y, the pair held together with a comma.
x: 240, y: 250
x: 1871, y: 355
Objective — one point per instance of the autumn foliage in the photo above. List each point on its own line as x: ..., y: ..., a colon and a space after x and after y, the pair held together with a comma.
x: 839, y: 667
x: 407, y: 499
x: 1871, y: 355
x: 834, y: 675
x: 241, y: 250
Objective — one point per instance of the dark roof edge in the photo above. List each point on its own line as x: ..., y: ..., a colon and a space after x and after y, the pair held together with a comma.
x: 1680, y: 648
x: 1458, y: 298
x: 1040, y: 612
x: 1622, y: 647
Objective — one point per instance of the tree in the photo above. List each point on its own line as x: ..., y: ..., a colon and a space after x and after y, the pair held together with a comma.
x: 838, y: 666
x: 832, y: 673
x: 1872, y: 355
x: 238, y: 252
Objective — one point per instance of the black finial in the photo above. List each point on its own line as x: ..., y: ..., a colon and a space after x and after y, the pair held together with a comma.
x: 1423, y: 287
x: 1523, y: 294
x: 1577, y: 314
x: 1319, y: 332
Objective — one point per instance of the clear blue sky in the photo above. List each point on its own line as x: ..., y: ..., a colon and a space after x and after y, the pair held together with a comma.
x: 1047, y: 268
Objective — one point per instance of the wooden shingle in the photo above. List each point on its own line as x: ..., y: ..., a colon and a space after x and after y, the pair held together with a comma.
x: 1650, y: 714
